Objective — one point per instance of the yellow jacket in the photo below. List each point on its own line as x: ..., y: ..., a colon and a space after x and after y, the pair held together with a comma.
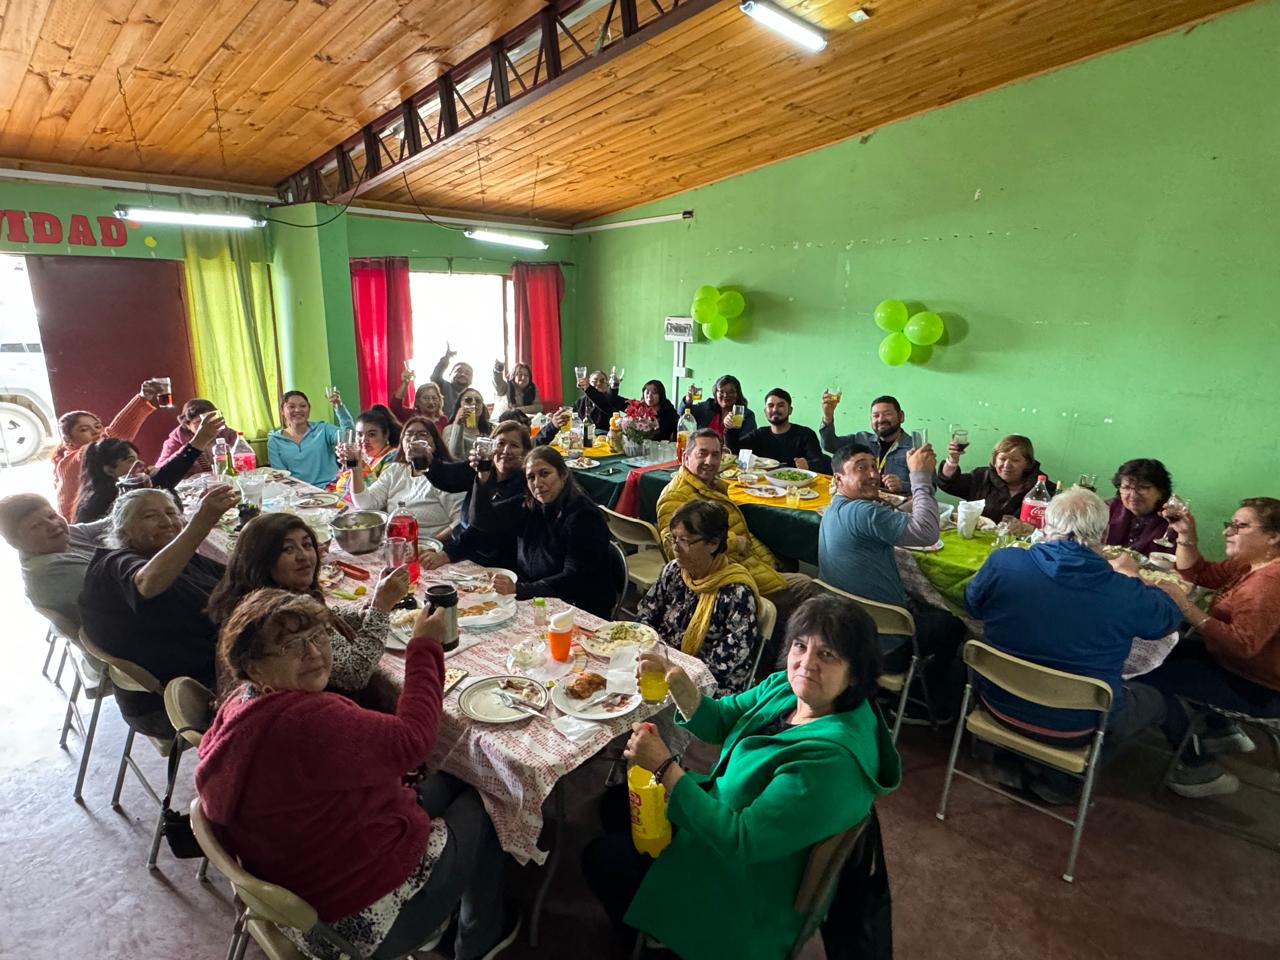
x: 685, y: 486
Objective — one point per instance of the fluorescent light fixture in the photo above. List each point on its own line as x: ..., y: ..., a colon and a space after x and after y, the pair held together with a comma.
x: 188, y: 218
x: 784, y: 22
x: 510, y: 239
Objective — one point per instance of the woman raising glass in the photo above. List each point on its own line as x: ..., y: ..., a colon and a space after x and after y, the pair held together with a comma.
x: 470, y: 420
x: 307, y: 448
x: 407, y: 480
x: 377, y: 440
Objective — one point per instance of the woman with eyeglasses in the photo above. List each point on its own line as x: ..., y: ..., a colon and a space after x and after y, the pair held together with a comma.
x: 1232, y: 660
x: 1142, y: 487
x: 703, y: 602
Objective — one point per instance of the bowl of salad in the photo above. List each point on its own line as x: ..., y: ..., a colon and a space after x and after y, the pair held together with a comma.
x: 791, y: 477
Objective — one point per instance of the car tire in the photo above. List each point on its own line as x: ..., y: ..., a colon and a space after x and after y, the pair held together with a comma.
x: 22, y: 435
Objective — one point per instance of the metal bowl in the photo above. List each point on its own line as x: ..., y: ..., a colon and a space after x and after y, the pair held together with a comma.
x: 359, y: 531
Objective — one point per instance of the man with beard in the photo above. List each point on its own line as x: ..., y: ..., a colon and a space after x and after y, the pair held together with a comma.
x: 790, y: 444
x: 457, y: 384
x: 886, y: 439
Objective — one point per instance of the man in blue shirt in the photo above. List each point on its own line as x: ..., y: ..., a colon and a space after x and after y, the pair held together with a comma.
x: 1062, y: 605
x: 856, y: 542
x: 886, y: 439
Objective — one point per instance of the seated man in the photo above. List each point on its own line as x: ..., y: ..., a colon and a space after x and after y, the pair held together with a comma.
x: 856, y: 540
x: 54, y: 554
x: 1062, y: 605
x: 886, y: 439
x: 788, y: 443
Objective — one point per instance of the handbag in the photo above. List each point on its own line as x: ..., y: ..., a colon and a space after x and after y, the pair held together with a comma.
x: 176, y: 828
x: 859, y: 924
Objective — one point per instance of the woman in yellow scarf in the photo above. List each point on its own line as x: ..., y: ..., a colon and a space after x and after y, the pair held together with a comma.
x: 703, y: 602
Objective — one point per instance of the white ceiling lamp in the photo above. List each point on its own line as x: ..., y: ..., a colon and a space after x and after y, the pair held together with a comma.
x: 507, y: 239
x: 784, y: 22
x: 188, y: 218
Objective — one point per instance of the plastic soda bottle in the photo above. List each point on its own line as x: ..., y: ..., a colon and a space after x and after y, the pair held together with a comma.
x: 686, y: 426
x: 650, y: 827
x: 1035, y: 502
x: 242, y: 456
x: 404, y: 524
x: 222, y: 465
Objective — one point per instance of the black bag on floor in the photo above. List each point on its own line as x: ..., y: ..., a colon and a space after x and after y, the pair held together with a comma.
x: 177, y: 826
x: 859, y: 925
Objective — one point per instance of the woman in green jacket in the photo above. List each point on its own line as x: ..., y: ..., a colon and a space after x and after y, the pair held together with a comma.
x: 805, y: 754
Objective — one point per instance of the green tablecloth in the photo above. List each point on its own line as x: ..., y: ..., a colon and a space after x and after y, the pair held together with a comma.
x: 952, y: 567
x: 603, y: 484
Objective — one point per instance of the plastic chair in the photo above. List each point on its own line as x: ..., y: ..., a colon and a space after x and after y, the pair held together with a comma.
x: 263, y: 906
x: 189, y: 705
x: 821, y: 877
x: 90, y: 678
x: 645, y: 565
x: 60, y: 630
x: 1049, y: 688
x: 618, y: 571
x: 895, y: 621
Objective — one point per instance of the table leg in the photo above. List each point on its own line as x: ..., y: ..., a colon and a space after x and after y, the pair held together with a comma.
x: 553, y: 861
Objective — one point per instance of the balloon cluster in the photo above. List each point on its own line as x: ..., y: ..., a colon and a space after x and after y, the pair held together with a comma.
x: 716, y: 310
x: 910, y: 335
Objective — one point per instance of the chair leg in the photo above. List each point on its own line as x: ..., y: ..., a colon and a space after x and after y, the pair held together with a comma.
x: 171, y: 781
x: 71, y: 710
x: 1193, y: 728
x: 62, y: 662
x: 124, y: 765
x: 639, y: 947
x: 202, y: 872
x: 902, y: 701
x: 88, y: 746
x: 955, y: 750
x: 51, y: 639
x: 1083, y: 810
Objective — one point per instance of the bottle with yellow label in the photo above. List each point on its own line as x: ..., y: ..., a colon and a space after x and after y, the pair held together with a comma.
x: 650, y: 827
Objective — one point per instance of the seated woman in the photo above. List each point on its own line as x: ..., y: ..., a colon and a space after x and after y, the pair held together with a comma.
x: 378, y: 439
x: 189, y: 418
x: 406, y: 480
x: 464, y: 541
x: 428, y: 402
x: 307, y: 448
x: 307, y: 789
x: 561, y: 539
x: 725, y: 395
x: 704, y: 603
x: 144, y: 597
x: 1009, y: 477
x: 52, y: 553
x: 1142, y: 487
x: 470, y: 420
x: 79, y: 428
x: 519, y: 392
x: 1237, y: 666
x: 653, y: 393
x: 805, y: 755
x: 279, y: 550
x: 108, y: 461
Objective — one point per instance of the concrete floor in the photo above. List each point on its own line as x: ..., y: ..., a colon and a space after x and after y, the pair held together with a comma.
x: 1152, y: 880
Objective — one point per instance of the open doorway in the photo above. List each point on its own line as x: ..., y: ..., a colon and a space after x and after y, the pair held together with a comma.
x: 471, y: 312
x: 27, y: 421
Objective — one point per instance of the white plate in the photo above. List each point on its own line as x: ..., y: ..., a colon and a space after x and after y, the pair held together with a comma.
x: 582, y: 463
x: 596, y: 644
x: 931, y: 549
x: 765, y: 491
x: 318, y: 499
x: 504, y: 611
x: 472, y: 585
x: 566, y: 704
x: 808, y: 493
x: 765, y: 463
x: 809, y: 477
x: 480, y: 701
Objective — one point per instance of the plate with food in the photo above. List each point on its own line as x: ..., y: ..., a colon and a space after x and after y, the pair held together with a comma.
x: 1113, y: 551
x: 479, y: 583
x: 452, y: 677
x: 329, y: 575
x: 765, y: 491
x: 480, y: 701
x: 485, y: 610
x: 608, y: 639
x: 274, y: 474
x: 321, y: 498
x: 584, y: 697
x: 766, y: 463
x: 791, y: 477
x: 1157, y: 577
x: 582, y: 463
x: 808, y: 493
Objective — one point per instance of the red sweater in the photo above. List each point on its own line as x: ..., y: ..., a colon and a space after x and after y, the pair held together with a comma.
x: 305, y: 787
x: 1243, y: 629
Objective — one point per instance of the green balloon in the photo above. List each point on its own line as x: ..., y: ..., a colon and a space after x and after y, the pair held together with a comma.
x: 895, y: 349
x: 891, y: 315
x: 731, y: 304
x: 704, y: 310
x: 715, y: 329
x: 706, y: 292
x: 924, y: 328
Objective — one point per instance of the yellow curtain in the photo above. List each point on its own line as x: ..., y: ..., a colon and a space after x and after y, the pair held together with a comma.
x: 233, y: 326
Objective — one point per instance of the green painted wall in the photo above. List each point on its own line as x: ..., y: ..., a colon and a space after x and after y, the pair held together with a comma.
x: 65, y: 202
x: 1102, y: 239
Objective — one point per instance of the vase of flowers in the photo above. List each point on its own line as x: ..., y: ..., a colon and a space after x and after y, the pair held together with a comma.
x: 639, y: 423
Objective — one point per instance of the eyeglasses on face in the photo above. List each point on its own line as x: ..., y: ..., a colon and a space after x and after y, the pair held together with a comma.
x: 684, y: 543
x: 317, y: 637
x: 1235, y: 526
x: 1126, y: 487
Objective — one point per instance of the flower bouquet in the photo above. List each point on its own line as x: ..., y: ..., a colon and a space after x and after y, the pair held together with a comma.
x: 639, y: 423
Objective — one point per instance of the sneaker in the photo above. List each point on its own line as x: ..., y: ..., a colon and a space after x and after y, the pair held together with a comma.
x: 1202, y: 780
x: 1228, y: 739
x: 508, y: 938
x: 1007, y: 770
x: 1054, y: 794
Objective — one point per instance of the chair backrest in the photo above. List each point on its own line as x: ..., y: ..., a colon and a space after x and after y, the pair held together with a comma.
x: 189, y: 704
x: 766, y: 617
x: 1039, y: 684
x: 888, y: 618
x: 266, y: 900
x: 64, y: 626
x: 638, y: 533
x: 618, y: 572
x: 822, y: 874
x: 125, y: 674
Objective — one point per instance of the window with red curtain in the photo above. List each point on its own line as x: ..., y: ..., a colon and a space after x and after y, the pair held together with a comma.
x: 384, y: 325
x: 539, y: 288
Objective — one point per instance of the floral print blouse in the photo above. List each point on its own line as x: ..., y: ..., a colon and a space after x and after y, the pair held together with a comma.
x: 732, y: 638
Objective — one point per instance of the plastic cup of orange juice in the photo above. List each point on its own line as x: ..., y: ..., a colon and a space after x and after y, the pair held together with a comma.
x: 560, y: 634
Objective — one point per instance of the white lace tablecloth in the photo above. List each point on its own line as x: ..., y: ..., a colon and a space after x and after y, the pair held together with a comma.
x: 513, y: 766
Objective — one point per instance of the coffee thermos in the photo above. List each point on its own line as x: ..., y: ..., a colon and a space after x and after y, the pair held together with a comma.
x: 443, y: 596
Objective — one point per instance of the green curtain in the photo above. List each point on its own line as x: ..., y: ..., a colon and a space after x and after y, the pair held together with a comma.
x: 233, y: 325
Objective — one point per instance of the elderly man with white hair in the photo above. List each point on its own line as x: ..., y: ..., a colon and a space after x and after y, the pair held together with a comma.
x: 1061, y: 604
x: 145, y: 595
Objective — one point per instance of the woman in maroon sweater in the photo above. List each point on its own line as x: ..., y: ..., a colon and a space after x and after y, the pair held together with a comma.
x: 307, y: 789
x: 1238, y: 665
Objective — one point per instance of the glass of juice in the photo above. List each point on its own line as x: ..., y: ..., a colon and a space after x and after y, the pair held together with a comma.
x: 653, y: 677
x: 560, y: 635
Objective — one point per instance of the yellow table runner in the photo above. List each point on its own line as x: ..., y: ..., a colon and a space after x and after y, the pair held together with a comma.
x: 821, y: 484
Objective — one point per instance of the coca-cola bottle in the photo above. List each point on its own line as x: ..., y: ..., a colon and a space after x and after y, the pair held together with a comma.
x: 1035, y: 502
x: 404, y: 524
x: 242, y: 456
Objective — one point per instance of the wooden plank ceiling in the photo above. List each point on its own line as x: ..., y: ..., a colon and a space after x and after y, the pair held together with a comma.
x: 711, y: 98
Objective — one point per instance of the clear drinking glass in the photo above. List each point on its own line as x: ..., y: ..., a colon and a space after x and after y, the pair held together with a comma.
x: 793, y: 497
x: 919, y: 437
x: 1174, y: 509
x: 739, y: 414
x: 164, y: 391
x: 1089, y: 481
x: 252, y: 488
x: 580, y: 373
x: 960, y: 437
x: 652, y: 681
